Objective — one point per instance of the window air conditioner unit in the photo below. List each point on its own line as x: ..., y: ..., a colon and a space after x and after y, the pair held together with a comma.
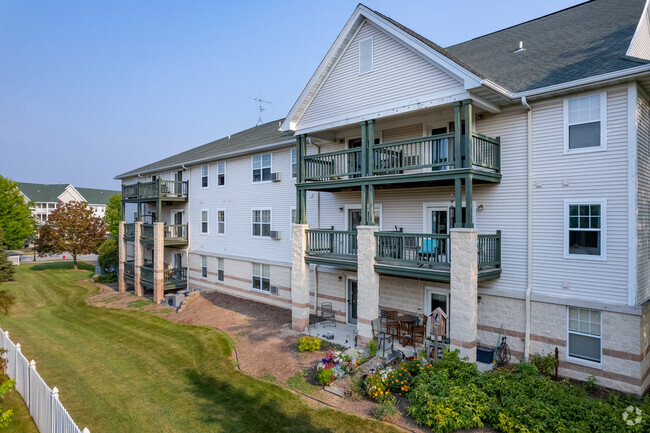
x: 276, y: 235
x: 276, y: 177
x: 274, y: 290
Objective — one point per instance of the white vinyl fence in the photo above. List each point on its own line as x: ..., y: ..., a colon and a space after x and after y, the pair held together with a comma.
x: 47, y: 411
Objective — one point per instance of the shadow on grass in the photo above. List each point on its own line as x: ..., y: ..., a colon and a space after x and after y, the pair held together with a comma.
x: 256, y: 408
x: 62, y: 266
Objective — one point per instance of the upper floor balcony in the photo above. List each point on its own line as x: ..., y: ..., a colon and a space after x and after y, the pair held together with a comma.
x: 414, y: 255
x: 159, y: 189
x: 174, y: 234
x: 424, y: 158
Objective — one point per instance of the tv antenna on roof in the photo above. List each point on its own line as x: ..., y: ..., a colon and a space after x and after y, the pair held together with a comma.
x: 259, y: 100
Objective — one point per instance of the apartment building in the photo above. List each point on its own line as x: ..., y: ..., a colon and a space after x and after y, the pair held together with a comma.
x: 504, y: 179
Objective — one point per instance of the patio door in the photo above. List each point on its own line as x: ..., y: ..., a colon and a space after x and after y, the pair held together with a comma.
x: 434, y: 298
x: 178, y: 221
x: 437, y: 222
x: 353, y: 286
x: 178, y: 187
x: 177, y: 261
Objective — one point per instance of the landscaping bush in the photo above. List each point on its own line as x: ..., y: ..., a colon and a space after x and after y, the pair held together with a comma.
x: 325, y: 376
x: 545, y: 364
x: 357, y: 389
x: 308, y: 344
x: 108, y: 256
x: 386, y: 411
x: 372, y: 348
x: 108, y: 278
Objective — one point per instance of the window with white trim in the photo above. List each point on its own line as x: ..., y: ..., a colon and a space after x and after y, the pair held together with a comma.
x: 262, y: 167
x: 204, y: 221
x: 585, y: 225
x: 261, y: 277
x: 205, y: 171
x: 221, y: 221
x: 204, y: 266
x: 584, y: 119
x: 221, y: 173
x: 294, y: 163
x: 261, y: 219
x: 220, y: 269
x: 584, y: 339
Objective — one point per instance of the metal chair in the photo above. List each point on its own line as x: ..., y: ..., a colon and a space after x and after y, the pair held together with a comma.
x: 327, y: 314
x: 379, y: 335
x: 392, y: 325
x: 419, y: 331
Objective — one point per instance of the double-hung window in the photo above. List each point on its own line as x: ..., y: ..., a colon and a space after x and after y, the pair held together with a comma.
x: 584, y: 334
x: 221, y: 222
x: 262, y: 168
x: 204, y: 221
x: 221, y: 173
x: 261, y: 220
x: 584, y: 119
x: 204, y: 266
x: 294, y: 162
x: 220, y: 269
x: 261, y: 277
x: 585, y: 229
x: 205, y: 171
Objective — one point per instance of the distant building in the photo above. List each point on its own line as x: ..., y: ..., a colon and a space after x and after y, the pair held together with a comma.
x: 47, y: 197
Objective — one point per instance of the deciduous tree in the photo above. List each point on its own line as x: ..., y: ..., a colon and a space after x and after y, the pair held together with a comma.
x: 72, y: 228
x: 15, y: 216
x: 113, y: 214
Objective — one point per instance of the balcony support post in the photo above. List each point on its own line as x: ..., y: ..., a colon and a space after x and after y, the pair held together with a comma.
x: 464, y: 292
x: 371, y: 205
x: 121, y: 247
x: 301, y: 195
x: 458, y: 206
x: 469, y: 219
x: 364, y: 205
x: 368, y: 285
x: 371, y: 143
x: 364, y: 149
x: 458, y: 163
x: 158, y: 262
x: 299, y: 278
x: 158, y: 209
x: 137, y: 259
x: 469, y: 126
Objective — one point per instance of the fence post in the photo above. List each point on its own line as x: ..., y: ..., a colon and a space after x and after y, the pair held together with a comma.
x: 4, y: 340
x: 55, y: 396
x: 16, y: 363
x: 85, y: 430
x: 32, y: 367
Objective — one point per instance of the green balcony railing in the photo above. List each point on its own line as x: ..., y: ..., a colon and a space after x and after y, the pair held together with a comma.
x: 146, y: 273
x: 489, y: 250
x: 486, y: 151
x: 333, y: 165
x: 146, y: 232
x: 157, y: 189
x: 332, y: 242
x: 435, y: 152
x: 129, y: 269
x: 413, y: 248
x: 129, y: 230
x: 175, y: 275
x: 176, y: 232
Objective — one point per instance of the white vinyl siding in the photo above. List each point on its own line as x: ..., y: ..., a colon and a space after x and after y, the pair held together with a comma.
x: 584, y: 341
x: 261, y: 277
x: 221, y: 173
x: 643, y: 201
x: 585, y: 123
x: 204, y: 266
x: 399, y: 76
x: 365, y: 55
x: 262, y: 167
x: 221, y: 221
x: 205, y: 218
x: 205, y: 175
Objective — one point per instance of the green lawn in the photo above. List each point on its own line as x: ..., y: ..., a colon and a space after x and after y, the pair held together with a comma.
x: 129, y: 371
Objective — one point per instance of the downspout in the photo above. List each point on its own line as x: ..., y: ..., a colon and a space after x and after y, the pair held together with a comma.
x: 529, y: 283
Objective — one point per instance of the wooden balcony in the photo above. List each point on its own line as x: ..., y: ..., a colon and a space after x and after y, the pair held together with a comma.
x: 424, y: 159
x: 175, y: 234
x: 412, y: 255
x: 165, y: 190
x: 174, y: 278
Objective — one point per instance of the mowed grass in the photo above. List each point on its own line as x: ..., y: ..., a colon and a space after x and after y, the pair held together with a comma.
x: 129, y: 371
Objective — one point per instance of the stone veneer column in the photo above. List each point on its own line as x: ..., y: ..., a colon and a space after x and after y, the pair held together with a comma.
x: 368, y: 283
x: 463, y: 311
x: 158, y: 262
x: 121, y: 246
x: 137, y: 258
x: 299, y: 278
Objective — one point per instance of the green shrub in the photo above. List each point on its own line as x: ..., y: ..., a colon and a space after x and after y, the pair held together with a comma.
x: 308, y: 344
x: 386, y: 411
x: 592, y: 385
x: 108, y: 256
x: 356, y: 389
x: 544, y: 364
x: 372, y: 348
x: 108, y: 278
x: 325, y: 376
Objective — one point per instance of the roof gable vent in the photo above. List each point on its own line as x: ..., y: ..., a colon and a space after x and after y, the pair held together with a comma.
x: 365, y: 55
x: 521, y: 47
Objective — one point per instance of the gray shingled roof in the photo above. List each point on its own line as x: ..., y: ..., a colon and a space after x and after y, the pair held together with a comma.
x: 38, y: 192
x: 239, y: 142
x: 582, y: 41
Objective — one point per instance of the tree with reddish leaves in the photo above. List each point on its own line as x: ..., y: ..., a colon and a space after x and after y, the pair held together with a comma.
x: 71, y: 228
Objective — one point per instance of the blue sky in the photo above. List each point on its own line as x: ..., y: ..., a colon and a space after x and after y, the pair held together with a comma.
x: 91, y: 89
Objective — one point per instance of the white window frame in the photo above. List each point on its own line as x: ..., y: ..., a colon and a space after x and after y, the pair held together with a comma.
x: 206, y: 176
x: 204, y: 267
x: 224, y: 222
x: 348, y: 207
x: 207, y: 221
x: 260, y: 236
x: 221, y: 269
x: 600, y: 337
x: 220, y: 173
x: 270, y: 167
x: 261, y: 277
x: 603, y: 125
x: 603, y: 228
x: 293, y: 155
x: 372, y: 55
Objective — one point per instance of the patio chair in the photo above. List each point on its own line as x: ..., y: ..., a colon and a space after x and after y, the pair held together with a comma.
x: 392, y: 325
x: 427, y: 251
x: 327, y: 314
x: 419, y: 331
x: 379, y: 335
